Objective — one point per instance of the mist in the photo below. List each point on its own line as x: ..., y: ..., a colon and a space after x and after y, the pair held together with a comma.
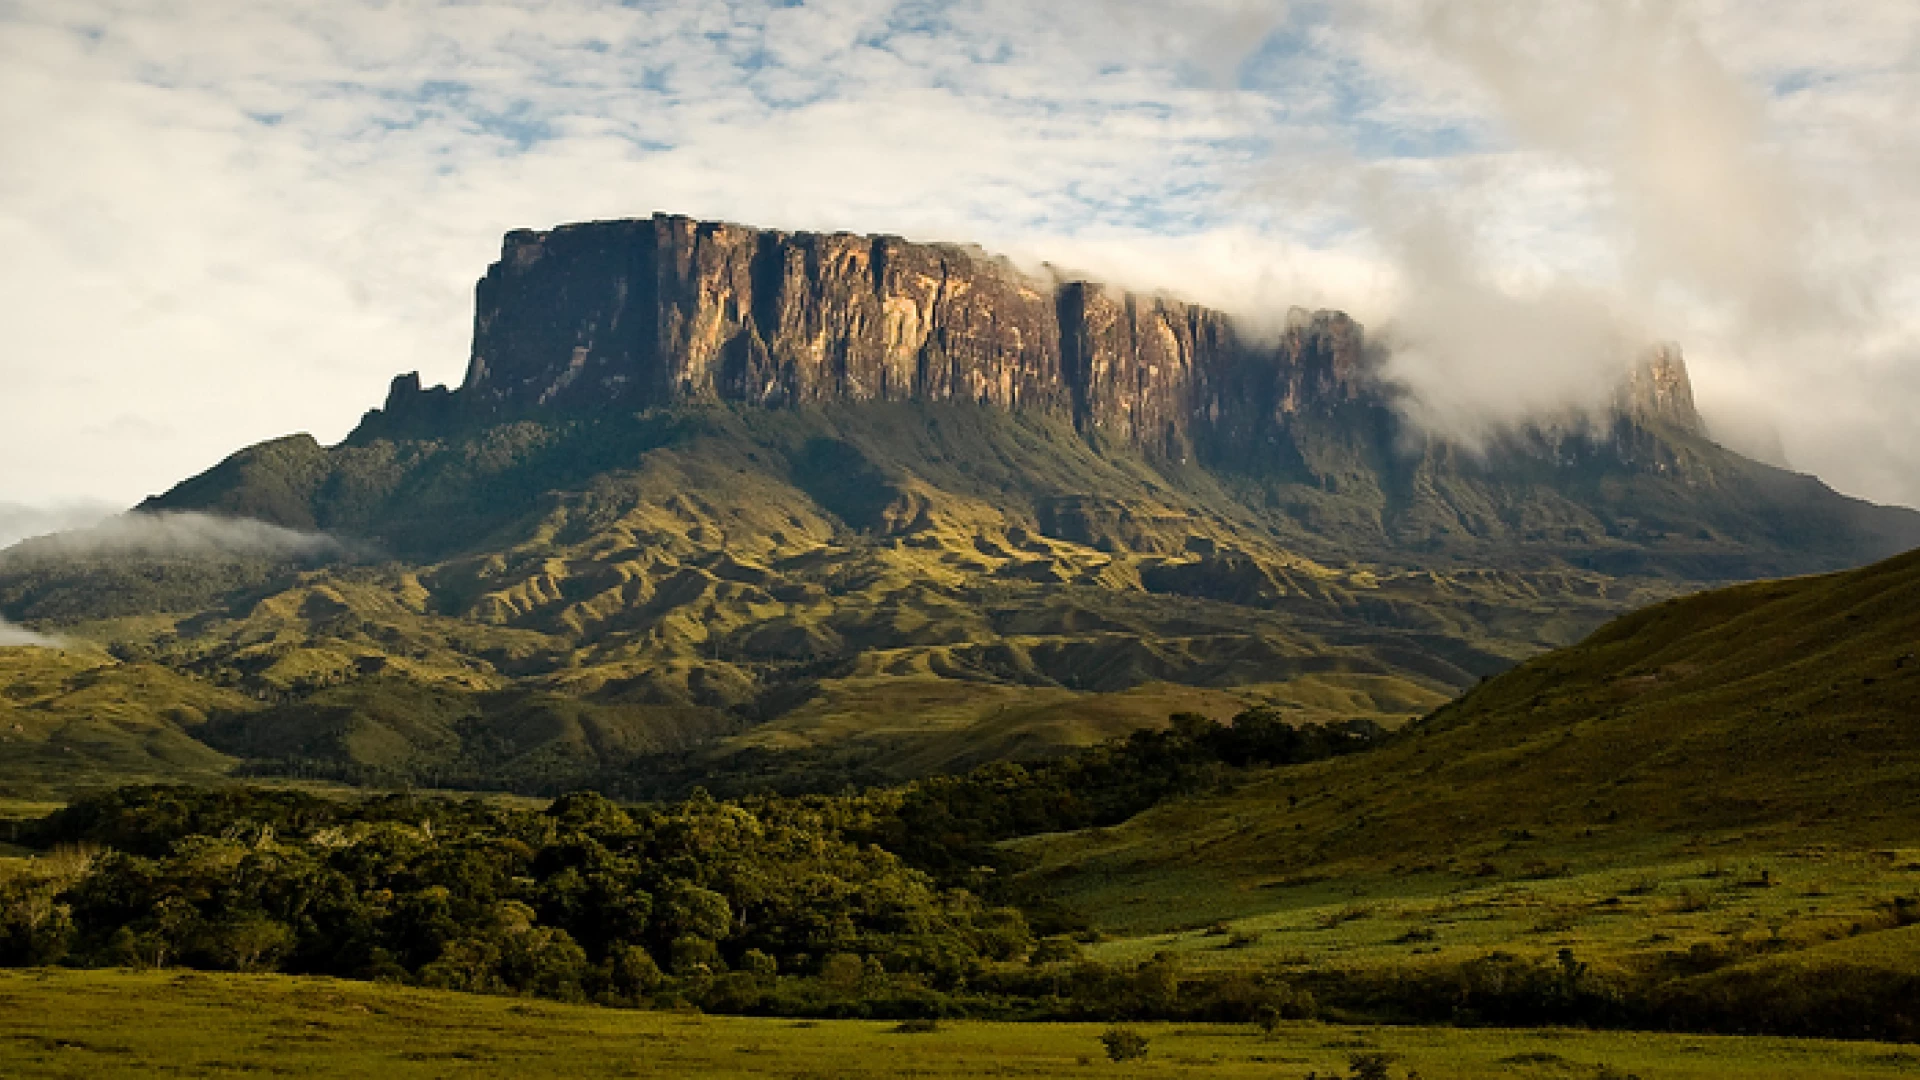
x: 1627, y: 186
x: 19, y: 522
x: 14, y: 636
x: 173, y: 535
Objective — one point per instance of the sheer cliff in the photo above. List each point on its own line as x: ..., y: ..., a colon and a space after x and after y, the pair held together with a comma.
x: 666, y: 311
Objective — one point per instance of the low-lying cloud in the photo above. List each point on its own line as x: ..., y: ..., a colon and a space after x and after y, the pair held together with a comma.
x: 173, y: 535
x: 12, y: 636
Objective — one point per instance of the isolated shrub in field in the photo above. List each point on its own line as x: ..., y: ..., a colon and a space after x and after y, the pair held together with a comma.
x: 1368, y: 1066
x: 1268, y: 1019
x: 1124, y: 1044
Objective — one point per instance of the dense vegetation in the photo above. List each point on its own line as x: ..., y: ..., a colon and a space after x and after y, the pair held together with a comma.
x: 705, y: 899
x: 949, y: 825
x: 583, y: 900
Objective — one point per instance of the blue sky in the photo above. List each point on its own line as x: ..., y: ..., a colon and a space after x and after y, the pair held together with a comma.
x: 226, y: 221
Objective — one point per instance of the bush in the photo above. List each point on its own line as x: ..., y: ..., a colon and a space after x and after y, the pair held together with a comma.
x: 1368, y: 1066
x: 1124, y: 1044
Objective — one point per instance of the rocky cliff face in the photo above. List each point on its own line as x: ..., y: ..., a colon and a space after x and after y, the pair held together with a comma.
x: 632, y: 314
x: 1658, y: 388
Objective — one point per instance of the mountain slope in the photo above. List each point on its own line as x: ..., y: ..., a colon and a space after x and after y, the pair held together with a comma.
x: 72, y: 719
x: 1770, y: 716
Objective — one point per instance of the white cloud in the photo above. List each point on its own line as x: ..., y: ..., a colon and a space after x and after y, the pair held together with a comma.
x: 13, y: 636
x: 225, y: 222
x: 171, y: 535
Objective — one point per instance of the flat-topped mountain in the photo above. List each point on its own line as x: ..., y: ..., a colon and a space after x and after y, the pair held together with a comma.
x: 669, y: 311
x: 715, y: 500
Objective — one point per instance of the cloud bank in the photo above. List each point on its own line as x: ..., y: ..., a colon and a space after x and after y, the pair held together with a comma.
x: 14, y: 636
x: 228, y: 222
x: 172, y: 535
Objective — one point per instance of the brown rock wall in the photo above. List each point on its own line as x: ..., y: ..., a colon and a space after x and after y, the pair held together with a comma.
x: 630, y: 314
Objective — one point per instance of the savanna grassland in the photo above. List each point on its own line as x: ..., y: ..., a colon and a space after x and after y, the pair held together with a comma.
x: 117, y: 1023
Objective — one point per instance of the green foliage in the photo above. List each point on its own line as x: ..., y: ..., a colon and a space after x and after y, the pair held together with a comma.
x: 949, y: 825
x: 585, y: 900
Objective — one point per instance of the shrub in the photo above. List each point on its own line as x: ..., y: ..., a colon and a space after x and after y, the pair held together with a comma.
x: 1368, y: 1066
x: 1124, y: 1044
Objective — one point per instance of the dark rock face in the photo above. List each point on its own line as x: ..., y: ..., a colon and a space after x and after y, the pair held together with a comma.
x: 671, y: 310
x: 632, y: 314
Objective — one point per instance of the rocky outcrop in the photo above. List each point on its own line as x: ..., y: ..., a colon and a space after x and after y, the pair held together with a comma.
x: 1658, y: 389
x: 633, y: 314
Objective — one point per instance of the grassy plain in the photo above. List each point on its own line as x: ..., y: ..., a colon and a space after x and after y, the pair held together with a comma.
x: 103, y: 1024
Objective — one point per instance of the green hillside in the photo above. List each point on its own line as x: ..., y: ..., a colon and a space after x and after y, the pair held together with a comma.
x: 72, y: 719
x: 1781, y: 709
x: 930, y: 586
x: 819, y: 595
x: 1716, y: 799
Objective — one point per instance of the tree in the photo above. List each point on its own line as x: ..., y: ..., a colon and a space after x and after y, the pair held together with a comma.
x: 251, y: 942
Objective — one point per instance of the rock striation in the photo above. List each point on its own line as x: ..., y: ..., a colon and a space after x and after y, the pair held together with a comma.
x: 667, y: 310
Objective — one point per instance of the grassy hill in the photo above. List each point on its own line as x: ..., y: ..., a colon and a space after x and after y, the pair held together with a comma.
x: 75, y: 718
x: 1719, y: 793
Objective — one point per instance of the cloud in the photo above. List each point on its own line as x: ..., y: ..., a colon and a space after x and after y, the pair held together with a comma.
x: 18, y: 522
x: 171, y: 535
x: 229, y: 222
x: 14, y: 636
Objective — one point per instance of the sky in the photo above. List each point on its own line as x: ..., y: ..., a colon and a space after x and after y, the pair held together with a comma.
x: 228, y: 220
